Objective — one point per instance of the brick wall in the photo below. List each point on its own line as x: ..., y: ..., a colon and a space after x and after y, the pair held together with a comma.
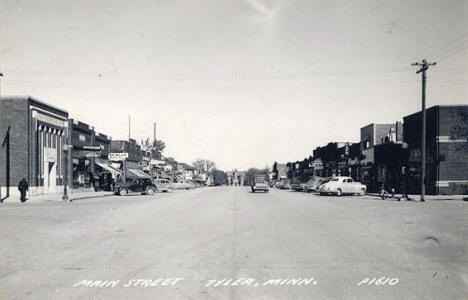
x: 453, y: 152
x: 15, y: 114
x: 446, y: 149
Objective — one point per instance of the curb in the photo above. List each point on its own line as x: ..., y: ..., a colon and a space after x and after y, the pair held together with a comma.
x: 443, y: 198
x: 70, y: 199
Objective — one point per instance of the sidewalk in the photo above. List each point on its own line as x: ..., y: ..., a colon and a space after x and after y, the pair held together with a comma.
x: 72, y: 196
x: 427, y: 197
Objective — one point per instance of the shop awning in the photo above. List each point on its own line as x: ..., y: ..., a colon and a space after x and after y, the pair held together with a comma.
x: 110, y: 168
x: 164, y: 175
x: 137, y: 174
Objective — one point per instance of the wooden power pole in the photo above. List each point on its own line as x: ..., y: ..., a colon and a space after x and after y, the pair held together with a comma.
x: 424, y: 67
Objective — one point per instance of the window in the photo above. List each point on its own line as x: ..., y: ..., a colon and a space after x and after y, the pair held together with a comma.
x: 366, y: 144
x: 82, y: 138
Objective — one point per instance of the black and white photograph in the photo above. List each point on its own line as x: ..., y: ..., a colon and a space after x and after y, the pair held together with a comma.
x: 233, y: 149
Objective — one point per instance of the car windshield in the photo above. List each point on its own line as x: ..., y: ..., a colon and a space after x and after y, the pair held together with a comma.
x: 335, y: 179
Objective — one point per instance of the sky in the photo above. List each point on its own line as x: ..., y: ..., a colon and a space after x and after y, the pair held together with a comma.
x: 242, y: 83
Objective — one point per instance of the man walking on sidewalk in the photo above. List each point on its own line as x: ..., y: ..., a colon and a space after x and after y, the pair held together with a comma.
x: 23, y: 187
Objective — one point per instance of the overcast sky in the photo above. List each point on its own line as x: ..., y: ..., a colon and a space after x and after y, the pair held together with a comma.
x: 243, y: 83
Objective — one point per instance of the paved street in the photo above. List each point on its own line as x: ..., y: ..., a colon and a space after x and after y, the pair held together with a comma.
x: 270, y: 244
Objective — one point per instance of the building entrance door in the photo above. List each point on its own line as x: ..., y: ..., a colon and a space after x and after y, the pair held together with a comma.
x: 50, y: 170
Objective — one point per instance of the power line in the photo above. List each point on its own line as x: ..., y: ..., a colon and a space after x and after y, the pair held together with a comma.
x: 447, y: 47
x: 238, y: 76
x: 453, y: 53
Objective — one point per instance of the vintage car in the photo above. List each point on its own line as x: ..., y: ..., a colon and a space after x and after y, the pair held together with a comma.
x: 283, y: 184
x: 260, y: 184
x: 342, y: 185
x: 163, y: 185
x: 137, y: 185
x: 313, y: 184
x: 183, y: 185
x: 296, y: 185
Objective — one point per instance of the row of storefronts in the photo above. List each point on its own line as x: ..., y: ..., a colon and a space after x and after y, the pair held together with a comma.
x: 390, y: 155
x: 47, y: 148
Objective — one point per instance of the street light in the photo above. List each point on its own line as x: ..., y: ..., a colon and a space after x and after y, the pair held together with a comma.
x: 66, y: 148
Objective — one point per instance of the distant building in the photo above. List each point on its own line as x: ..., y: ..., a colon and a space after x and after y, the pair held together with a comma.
x: 126, y: 156
x: 326, y: 159
x: 446, y: 152
x: 279, y: 171
x: 188, y: 172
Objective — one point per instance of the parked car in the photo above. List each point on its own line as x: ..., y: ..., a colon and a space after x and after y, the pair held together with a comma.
x: 342, y: 185
x: 313, y: 183
x: 284, y: 184
x: 260, y: 184
x: 296, y: 185
x: 138, y: 185
x: 182, y: 185
x: 192, y: 184
x: 163, y: 185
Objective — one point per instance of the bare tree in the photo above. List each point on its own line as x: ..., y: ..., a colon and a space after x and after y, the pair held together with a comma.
x: 204, y: 165
x: 148, y: 145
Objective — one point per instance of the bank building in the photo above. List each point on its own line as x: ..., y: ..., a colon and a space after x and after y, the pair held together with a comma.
x: 33, y: 137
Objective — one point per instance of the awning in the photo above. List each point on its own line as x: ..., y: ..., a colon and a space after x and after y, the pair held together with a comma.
x: 164, y: 175
x: 110, y: 168
x: 134, y: 173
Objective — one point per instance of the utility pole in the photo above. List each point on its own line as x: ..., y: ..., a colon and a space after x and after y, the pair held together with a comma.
x: 154, y: 134
x: 128, y: 127
x: 424, y: 67
x: 6, y: 143
x: 1, y: 75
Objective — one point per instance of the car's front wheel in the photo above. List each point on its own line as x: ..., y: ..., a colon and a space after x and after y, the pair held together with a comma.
x: 339, y: 192
x: 123, y: 192
x: 150, y: 191
x: 362, y: 192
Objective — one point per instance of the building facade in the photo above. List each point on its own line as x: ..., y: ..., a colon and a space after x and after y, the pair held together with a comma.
x: 372, y: 135
x: 446, y: 150
x: 37, y: 134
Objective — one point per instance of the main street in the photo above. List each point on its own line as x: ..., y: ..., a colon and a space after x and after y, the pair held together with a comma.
x: 270, y: 244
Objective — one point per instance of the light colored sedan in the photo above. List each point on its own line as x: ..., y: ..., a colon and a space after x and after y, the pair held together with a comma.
x: 163, y: 185
x: 182, y: 185
x: 342, y: 185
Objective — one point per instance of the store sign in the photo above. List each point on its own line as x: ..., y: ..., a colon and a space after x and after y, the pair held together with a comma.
x: 90, y: 154
x: 118, y: 156
x: 48, y: 119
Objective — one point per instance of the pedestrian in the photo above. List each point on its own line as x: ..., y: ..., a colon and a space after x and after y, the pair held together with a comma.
x: 92, y: 182
x: 23, y: 187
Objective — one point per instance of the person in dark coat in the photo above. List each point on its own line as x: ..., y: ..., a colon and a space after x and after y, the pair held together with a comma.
x: 92, y: 182
x: 23, y: 187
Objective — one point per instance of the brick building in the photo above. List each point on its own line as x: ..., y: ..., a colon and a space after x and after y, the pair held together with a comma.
x: 371, y: 136
x: 446, y: 152
x: 326, y: 159
x: 127, y: 155
x: 89, y: 153
x: 38, y: 132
